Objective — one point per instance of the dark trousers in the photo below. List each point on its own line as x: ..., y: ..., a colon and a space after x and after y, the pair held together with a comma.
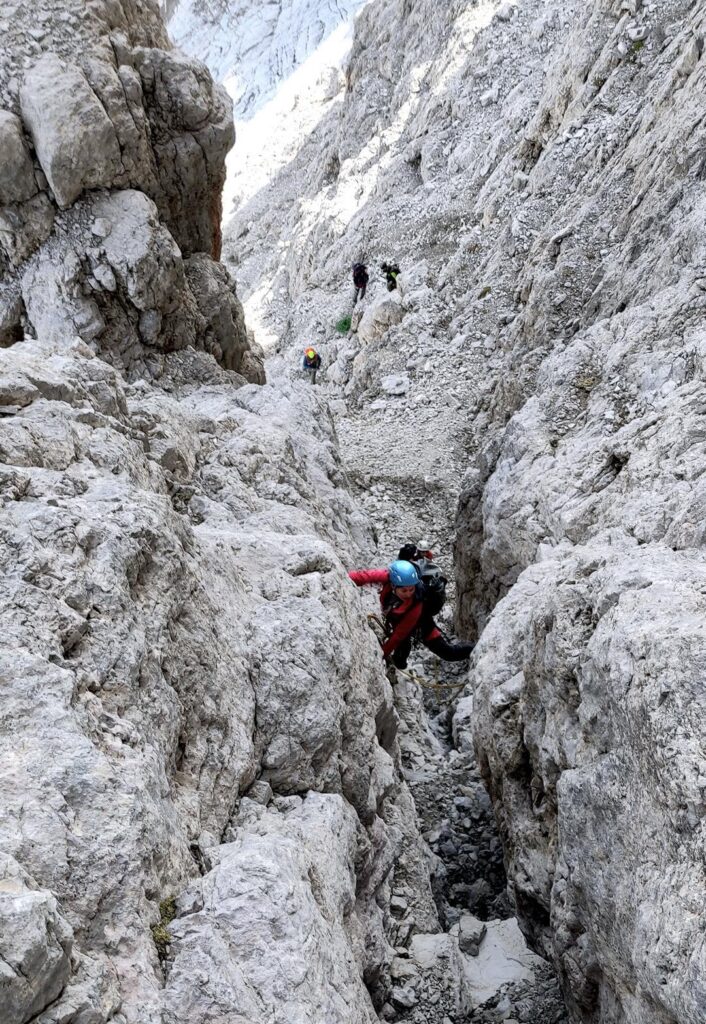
x: 439, y: 645
x: 360, y: 292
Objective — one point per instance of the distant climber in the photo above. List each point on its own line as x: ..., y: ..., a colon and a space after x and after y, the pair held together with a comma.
x: 412, y: 552
x: 311, y: 363
x: 360, y: 280
x: 391, y: 272
x: 406, y: 614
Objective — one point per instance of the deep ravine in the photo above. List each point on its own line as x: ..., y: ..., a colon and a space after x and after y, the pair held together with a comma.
x: 215, y: 804
x: 532, y: 394
x: 455, y: 813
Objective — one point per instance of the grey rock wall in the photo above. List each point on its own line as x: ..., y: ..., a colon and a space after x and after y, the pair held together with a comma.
x: 193, y: 707
x: 582, y: 506
x: 165, y: 552
x: 113, y: 164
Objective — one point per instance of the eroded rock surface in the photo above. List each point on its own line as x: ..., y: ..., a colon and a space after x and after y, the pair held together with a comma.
x: 164, y: 548
x: 113, y: 161
x: 177, y: 626
x: 588, y: 714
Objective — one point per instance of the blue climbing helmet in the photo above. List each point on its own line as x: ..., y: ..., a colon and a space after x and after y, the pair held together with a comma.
x: 403, y: 574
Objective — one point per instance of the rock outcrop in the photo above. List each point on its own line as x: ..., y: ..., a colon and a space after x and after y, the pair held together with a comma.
x: 203, y: 753
x: 113, y: 157
x: 164, y: 551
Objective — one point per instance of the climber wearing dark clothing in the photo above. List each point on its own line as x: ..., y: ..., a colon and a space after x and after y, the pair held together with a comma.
x: 311, y: 363
x: 391, y: 271
x: 360, y: 280
x: 406, y: 618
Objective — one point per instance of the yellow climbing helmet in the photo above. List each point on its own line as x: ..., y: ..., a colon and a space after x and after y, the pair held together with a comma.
x: 310, y: 352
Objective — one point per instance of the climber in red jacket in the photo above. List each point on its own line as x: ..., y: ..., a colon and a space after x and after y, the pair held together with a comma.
x: 402, y: 602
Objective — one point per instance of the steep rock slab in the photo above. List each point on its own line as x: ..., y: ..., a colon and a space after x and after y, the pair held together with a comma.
x: 588, y: 723
x: 161, y: 549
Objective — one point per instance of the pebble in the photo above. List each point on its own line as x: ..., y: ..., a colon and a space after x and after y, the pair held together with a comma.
x: 101, y: 227
x: 405, y: 997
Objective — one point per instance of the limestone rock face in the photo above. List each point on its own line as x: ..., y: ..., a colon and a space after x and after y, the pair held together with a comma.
x: 35, y: 946
x: 123, y: 186
x: 588, y: 723
x: 73, y: 137
x: 165, y: 550
x: 177, y: 625
x: 306, y: 851
x: 16, y: 168
x: 214, y: 292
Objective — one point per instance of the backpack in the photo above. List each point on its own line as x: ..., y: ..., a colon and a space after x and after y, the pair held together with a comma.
x: 433, y: 584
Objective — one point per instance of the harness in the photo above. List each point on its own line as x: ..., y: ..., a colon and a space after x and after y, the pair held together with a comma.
x: 381, y: 631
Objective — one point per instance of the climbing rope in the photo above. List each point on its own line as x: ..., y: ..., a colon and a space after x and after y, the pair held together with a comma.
x: 421, y: 681
x: 378, y: 628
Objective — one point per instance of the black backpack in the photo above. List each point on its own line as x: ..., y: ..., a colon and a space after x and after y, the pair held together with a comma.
x: 432, y: 580
x: 360, y: 275
x: 433, y: 583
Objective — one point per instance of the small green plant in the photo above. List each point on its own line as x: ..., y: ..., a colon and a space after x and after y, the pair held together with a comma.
x: 344, y: 325
x: 635, y: 49
x: 160, y: 931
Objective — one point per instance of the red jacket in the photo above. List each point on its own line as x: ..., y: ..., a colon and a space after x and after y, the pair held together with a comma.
x: 404, y: 617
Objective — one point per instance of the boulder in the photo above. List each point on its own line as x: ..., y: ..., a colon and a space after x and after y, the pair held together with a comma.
x: 378, y: 318
x: 287, y: 882
x: 35, y: 946
x: 16, y: 168
x: 73, y: 137
x: 471, y: 933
